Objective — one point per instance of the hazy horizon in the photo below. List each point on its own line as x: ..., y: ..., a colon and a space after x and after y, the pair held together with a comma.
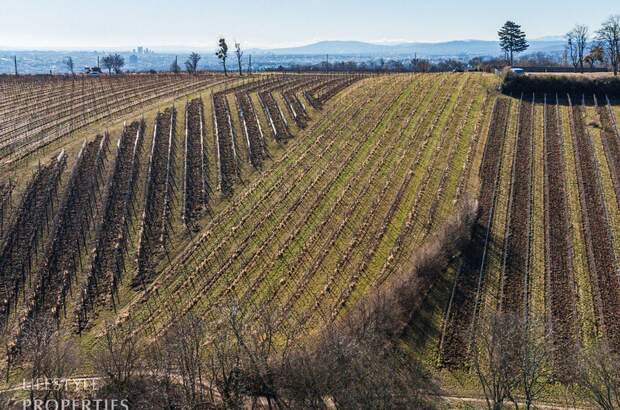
x: 183, y: 48
x: 83, y: 26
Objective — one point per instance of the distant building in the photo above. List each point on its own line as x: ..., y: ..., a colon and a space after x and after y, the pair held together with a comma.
x: 140, y: 50
x: 133, y: 59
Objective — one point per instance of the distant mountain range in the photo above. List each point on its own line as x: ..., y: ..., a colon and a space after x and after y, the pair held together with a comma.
x: 549, y: 44
x: 448, y: 48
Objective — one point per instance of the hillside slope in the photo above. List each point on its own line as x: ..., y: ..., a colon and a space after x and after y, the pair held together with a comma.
x: 346, y: 204
x: 296, y: 195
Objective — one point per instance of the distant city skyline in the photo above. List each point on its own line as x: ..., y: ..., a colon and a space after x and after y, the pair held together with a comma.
x: 119, y: 24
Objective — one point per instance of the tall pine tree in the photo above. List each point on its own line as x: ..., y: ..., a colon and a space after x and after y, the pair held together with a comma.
x: 512, y: 39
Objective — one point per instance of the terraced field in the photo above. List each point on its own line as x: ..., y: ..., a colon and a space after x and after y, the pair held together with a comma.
x: 297, y: 194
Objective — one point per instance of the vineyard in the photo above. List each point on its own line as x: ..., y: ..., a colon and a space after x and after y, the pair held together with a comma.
x: 34, y: 113
x: 77, y: 244
x: 138, y: 199
x: 546, y: 243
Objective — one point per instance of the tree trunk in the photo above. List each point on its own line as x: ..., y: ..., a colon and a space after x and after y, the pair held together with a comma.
x: 224, y: 64
x: 239, y: 61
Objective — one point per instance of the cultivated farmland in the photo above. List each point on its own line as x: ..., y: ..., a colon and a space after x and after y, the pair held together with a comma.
x: 140, y: 199
x: 545, y: 245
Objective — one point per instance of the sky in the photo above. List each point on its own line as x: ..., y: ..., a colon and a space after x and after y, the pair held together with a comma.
x: 125, y: 24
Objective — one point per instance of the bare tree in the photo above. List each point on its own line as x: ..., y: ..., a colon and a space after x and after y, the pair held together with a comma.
x: 117, y: 356
x: 47, y: 354
x: 243, y: 358
x: 222, y: 53
x: 117, y: 63
x: 257, y: 339
x: 239, y: 54
x: 577, y: 40
x: 160, y: 362
x: 495, y: 358
x: 37, y: 337
x: 534, y: 359
x: 364, y: 370
x: 571, y: 50
x: 69, y: 63
x: 599, y: 376
x: 303, y: 379
x: 355, y: 366
x: 184, y: 342
x: 224, y: 361
x: 108, y: 63
x: 512, y: 354
x: 113, y: 62
x: 192, y: 63
x: 609, y: 36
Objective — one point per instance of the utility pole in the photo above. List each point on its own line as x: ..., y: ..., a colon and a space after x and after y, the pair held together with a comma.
x: 15, y: 64
x: 250, y: 65
x: 97, y: 61
x: 327, y: 62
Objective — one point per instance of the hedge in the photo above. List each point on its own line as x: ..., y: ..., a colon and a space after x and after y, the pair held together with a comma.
x: 561, y: 85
